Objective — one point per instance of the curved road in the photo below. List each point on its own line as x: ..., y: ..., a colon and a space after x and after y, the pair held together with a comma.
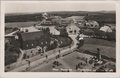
x: 40, y: 61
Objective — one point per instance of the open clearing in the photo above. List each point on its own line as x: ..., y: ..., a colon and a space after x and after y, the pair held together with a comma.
x: 20, y: 24
x: 107, y: 47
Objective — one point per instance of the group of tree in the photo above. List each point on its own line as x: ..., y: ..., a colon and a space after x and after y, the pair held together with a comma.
x: 98, y: 16
x: 96, y: 33
x: 11, y: 53
x: 102, y: 18
x: 63, y: 32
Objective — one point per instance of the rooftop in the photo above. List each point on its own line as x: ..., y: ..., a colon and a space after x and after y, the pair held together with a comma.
x: 34, y: 35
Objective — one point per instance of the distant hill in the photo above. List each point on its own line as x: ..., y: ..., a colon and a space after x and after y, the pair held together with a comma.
x: 23, y: 17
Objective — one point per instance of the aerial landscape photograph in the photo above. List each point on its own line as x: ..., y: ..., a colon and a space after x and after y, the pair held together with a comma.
x: 60, y: 37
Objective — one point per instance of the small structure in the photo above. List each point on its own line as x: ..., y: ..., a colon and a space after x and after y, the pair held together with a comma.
x: 106, y: 28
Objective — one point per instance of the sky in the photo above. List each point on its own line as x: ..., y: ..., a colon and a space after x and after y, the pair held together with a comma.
x: 33, y: 7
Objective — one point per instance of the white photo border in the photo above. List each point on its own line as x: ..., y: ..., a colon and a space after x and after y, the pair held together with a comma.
x: 61, y: 74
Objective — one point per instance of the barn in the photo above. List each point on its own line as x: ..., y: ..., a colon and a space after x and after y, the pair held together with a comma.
x: 30, y: 40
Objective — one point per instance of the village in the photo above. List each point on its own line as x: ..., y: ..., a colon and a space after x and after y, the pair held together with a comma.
x: 57, y: 44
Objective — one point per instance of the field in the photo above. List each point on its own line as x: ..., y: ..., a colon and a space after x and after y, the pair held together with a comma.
x: 101, y: 16
x: 19, y: 24
x: 107, y: 47
x: 101, y: 42
x: 10, y: 26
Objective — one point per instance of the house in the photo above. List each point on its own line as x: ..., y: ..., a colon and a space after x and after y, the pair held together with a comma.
x: 72, y: 29
x: 30, y: 40
x: 53, y: 31
x: 106, y: 28
x: 78, y: 20
x: 112, y: 26
x: 29, y: 29
x: 92, y: 24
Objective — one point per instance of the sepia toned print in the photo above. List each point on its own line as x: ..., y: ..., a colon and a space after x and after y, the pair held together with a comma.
x: 48, y: 37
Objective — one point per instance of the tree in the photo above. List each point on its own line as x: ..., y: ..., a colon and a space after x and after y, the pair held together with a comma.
x: 63, y: 33
x: 14, y: 29
x: 89, y: 32
x: 26, y: 30
x: 48, y: 30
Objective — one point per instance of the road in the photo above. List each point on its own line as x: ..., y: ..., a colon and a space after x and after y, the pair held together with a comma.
x: 42, y: 60
x: 11, y: 34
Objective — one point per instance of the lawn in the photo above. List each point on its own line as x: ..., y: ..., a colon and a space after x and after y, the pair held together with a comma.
x: 107, y: 48
x: 101, y: 42
x: 20, y: 24
x: 9, y: 26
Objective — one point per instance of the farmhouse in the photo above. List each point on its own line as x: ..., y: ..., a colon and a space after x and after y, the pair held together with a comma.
x: 53, y: 31
x: 78, y: 20
x: 29, y: 29
x: 112, y: 26
x: 92, y: 24
x: 30, y: 40
x: 106, y: 28
x: 72, y: 29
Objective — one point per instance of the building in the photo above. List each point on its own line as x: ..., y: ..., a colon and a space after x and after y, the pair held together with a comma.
x: 72, y: 29
x: 78, y: 20
x: 29, y: 29
x: 106, y: 28
x: 53, y: 31
x: 30, y: 40
x: 92, y: 24
x: 112, y: 26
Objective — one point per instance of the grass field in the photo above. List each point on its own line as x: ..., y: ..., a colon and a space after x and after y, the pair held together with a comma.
x: 107, y: 47
x: 20, y: 24
x: 101, y: 42
x: 9, y: 26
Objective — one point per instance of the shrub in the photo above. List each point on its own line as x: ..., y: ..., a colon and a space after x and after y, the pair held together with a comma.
x: 89, y: 32
x: 111, y: 36
x: 63, y: 33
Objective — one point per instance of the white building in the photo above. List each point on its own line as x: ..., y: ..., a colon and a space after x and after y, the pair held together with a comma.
x: 106, y: 29
x: 53, y: 31
x: 72, y: 29
x: 92, y: 24
x: 29, y: 29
